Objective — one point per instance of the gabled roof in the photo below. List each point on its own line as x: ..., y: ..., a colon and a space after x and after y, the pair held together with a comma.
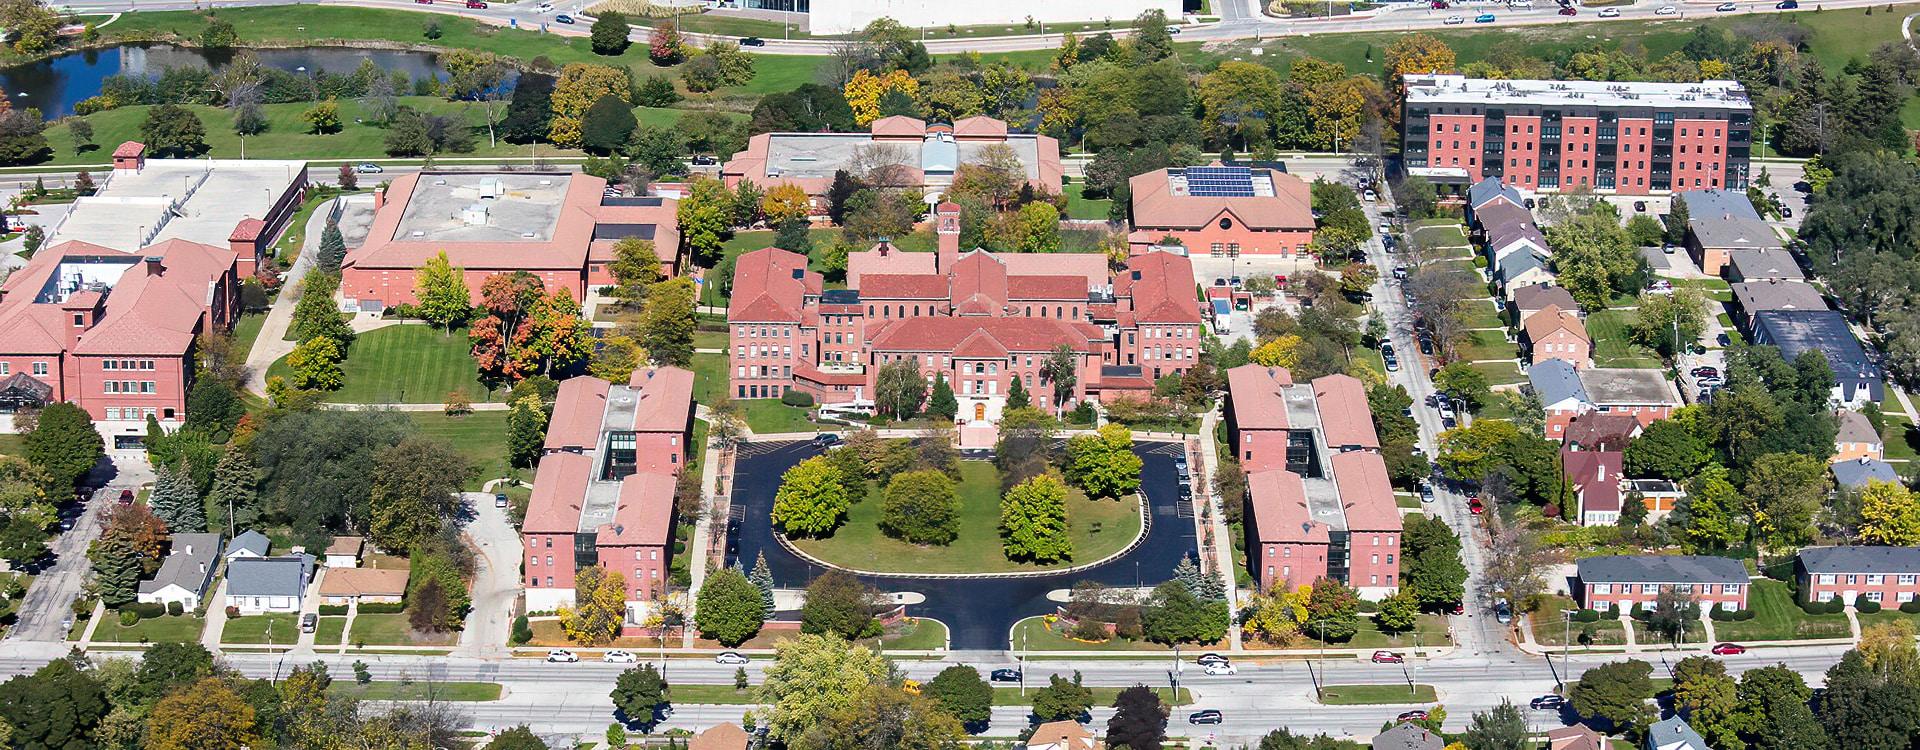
x: 645, y: 513
x: 1597, y: 430
x: 250, y: 541
x: 899, y: 125
x: 771, y: 285
x: 1160, y: 284
x: 559, y: 488
x: 1861, y: 560
x: 1860, y: 471
x: 725, y: 736
x: 1854, y: 428
x: 666, y: 399
x: 1366, y: 493
x: 577, y: 411
x: 1408, y: 737
x: 286, y: 575
x: 1661, y: 569
x: 1673, y: 733
x: 1278, y: 500
x: 1550, y: 319
x: 346, y: 545
x: 1539, y: 296
x: 1773, y: 294
x: 1258, y: 403
x: 1595, y: 475
x: 364, y: 582
x: 943, y: 334
x: 1576, y: 737
x: 1345, y: 417
x: 155, y: 306
x: 1724, y: 219
x: 979, y: 126
x: 1516, y: 265
x: 1555, y: 381
x: 1764, y: 263
x: 1490, y: 189
x: 876, y: 286
x: 190, y: 562
x: 129, y: 149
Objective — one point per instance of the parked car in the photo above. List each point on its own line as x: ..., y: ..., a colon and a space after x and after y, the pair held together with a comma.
x: 704, y: 160
x: 1414, y: 715
x: 1502, y: 612
x: 1786, y: 5
x: 1438, y: 5
x: 827, y: 439
x: 1666, y: 10
x: 1426, y: 491
x: 1725, y: 8
x: 1369, y: 195
x: 752, y: 41
x: 1704, y: 371
x: 1728, y: 649
x: 1786, y: 212
x: 477, y: 4
x: 563, y: 18
x: 1219, y: 670
x: 1208, y: 716
x: 1005, y: 674
x: 1207, y: 660
x: 499, y: 499
x: 1609, y: 12
x: 367, y: 167
x: 543, y: 8
x: 1483, y: 18
x: 1474, y: 505
x: 561, y: 655
x: 1455, y: 20
x: 618, y: 656
x: 1546, y: 702
x: 1568, y: 11
x: 730, y: 657
x: 309, y: 622
x: 1392, y: 362
x: 1388, y: 657
x: 1458, y: 608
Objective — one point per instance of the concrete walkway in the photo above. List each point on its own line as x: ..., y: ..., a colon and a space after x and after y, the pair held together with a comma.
x: 496, y: 578
x: 216, y: 618
x: 1626, y: 626
x: 271, y: 344
x: 1215, y: 524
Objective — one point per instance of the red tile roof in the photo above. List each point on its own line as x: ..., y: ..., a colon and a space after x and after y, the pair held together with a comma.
x: 577, y: 412
x: 645, y: 513
x: 248, y: 230
x: 1049, y: 288
x: 1161, y: 285
x: 770, y: 285
x: 979, y: 284
x: 903, y: 286
x: 1596, y: 476
x: 1155, y: 205
x: 1345, y: 416
x: 979, y: 126
x: 944, y: 334
x: 899, y: 125
x: 1365, y: 491
x: 666, y: 399
x: 129, y: 149
x: 146, y: 313
x: 1278, y: 500
x: 559, y: 487
x: 565, y: 250
x: 1257, y: 401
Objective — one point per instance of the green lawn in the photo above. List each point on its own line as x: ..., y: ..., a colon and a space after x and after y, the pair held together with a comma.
x: 1646, y: 638
x: 392, y: 630
x: 381, y: 690
x: 764, y: 415
x: 1777, y: 618
x: 480, y: 436
x: 1431, y: 630
x: 1082, y: 207
x: 414, y: 364
x: 282, y: 629
x: 163, y: 629
x: 1890, y: 614
x: 919, y: 635
x: 1480, y: 313
x: 1902, y: 441
x: 293, y: 240
x: 246, y: 330
x: 724, y: 24
x: 1487, y: 345
x: 329, y: 631
x: 1364, y: 695
x: 1501, y: 373
x: 1098, y: 527
x: 1440, y: 233
x: 1612, y: 347
x: 710, y: 340
x: 1550, y: 627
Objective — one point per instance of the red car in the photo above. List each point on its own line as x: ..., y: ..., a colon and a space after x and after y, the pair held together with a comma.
x: 1728, y: 649
x: 1459, y: 608
x: 126, y: 497
x: 1473, y: 504
x: 1439, y: 4
x: 1414, y: 715
x: 1569, y: 12
x: 1387, y: 657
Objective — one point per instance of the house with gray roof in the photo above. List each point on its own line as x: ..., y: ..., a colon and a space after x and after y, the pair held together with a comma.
x: 1856, y: 437
x: 1855, y: 474
x: 249, y: 543
x: 1528, y: 300
x: 1626, y: 580
x: 1565, y: 393
x: 1408, y: 737
x: 268, y: 584
x: 1492, y: 189
x: 1857, y: 378
x: 1674, y: 734
x: 1722, y: 222
x: 1751, y: 298
x: 1763, y: 264
x: 1521, y: 269
x: 186, y: 572
x: 1507, y: 229
x: 1888, y: 575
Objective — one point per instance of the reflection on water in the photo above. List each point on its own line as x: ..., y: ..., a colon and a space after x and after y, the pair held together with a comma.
x: 54, y: 85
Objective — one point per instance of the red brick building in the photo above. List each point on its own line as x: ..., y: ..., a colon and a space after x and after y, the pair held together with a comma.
x: 1223, y: 210
x: 1626, y: 580
x: 1888, y: 575
x: 603, y: 493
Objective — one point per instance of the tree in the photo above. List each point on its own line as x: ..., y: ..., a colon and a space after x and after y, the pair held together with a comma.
x: 1671, y: 612
x: 1398, y: 613
x: 333, y: 249
x: 664, y: 46
x: 666, y: 322
x: 884, y: 716
x: 1668, y: 449
x: 812, y: 677
x: 117, y: 570
x: 839, y: 604
x: 323, y: 118
x: 921, y: 507
x: 1062, y: 699
x: 1473, y: 452
x: 1236, y: 97
x: 428, y: 609
x: 415, y: 484
x: 579, y: 87
x: 639, y: 692
x: 208, y: 715
x: 1175, y: 615
x: 1594, y: 258
x: 811, y: 500
x: 1864, y: 707
x: 1616, y: 692
x: 1889, y: 515
x: 961, y: 693
x: 943, y: 404
x: 55, y: 707
x: 762, y: 579
x: 1432, y: 569
x: 523, y: 738
x: 1104, y: 464
x: 1034, y: 228
x: 729, y: 609
x: 899, y: 388
x: 1667, y: 322
x: 1139, y: 720
x: 1033, y: 521
x: 608, y: 125
x: 706, y: 219
x: 1772, y: 713
x: 609, y: 34
x: 635, y: 269
x: 1333, y: 611
x: 1501, y: 728
x: 600, y: 605
x: 442, y: 291
x: 1702, y: 688
x: 526, y: 430
x: 316, y: 365
x: 64, y: 446
x: 1061, y: 369
x: 1461, y: 381
x: 1783, y: 491
x: 530, y: 111
x: 1016, y: 397
x: 171, y: 130
x: 176, y: 501
x: 82, y: 133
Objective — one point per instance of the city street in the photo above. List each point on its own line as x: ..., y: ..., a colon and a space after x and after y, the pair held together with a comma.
x: 49, y: 600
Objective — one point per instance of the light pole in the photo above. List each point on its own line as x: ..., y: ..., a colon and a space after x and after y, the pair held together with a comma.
x: 1566, y: 648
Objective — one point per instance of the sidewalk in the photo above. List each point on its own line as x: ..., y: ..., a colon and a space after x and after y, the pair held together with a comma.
x: 271, y: 344
x: 1216, y: 521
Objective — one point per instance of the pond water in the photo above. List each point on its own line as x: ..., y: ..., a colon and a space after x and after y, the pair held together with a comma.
x: 54, y: 85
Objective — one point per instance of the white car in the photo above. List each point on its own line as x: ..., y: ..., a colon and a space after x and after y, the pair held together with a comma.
x: 1221, y: 669
x: 561, y: 655
x: 544, y: 8
x: 1666, y: 10
x: 1455, y: 20
x: 1609, y: 12
x: 730, y: 657
x: 617, y: 656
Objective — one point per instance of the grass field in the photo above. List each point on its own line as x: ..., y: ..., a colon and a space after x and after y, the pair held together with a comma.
x: 1488, y: 345
x: 246, y: 330
x: 1032, y: 633
x: 1364, y: 695
x: 1082, y: 207
x: 392, y: 630
x: 1479, y: 313
x: 1776, y: 618
x: 480, y: 436
x: 1646, y: 638
x: 1550, y: 626
x: 329, y: 631
x: 382, y: 690
x: 280, y: 628
x: 1612, y: 346
x: 1902, y: 441
x: 405, y: 364
x: 1891, y: 613
x: 1501, y: 373
x: 1430, y: 630
x: 163, y: 629
x: 764, y: 415
x: 1102, y: 696
x: 1098, y: 528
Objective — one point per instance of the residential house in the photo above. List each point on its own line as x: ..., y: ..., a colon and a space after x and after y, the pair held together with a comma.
x: 1658, y: 496
x: 364, y: 585
x: 1595, y: 478
x: 1063, y: 735
x: 1856, y: 473
x: 1626, y: 580
x: 1505, y: 229
x: 1223, y: 211
x: 1888, y: 575
x: 1521, y: 269
x: 1555, y: 333
x: 1766, y: 264
x: 1751, y: 298
x: 1856, y: 438
x: 249, y: 543
x: 1673, y: 733
x: 722, y: 736
x: 268, y: 584
x: 345, y: 552
x: 1858, y: 377
x: 1721, y: 223
x: 1405, y: 736
x: 1528, y: 300
x: 1599, y: 431
x: 186, y: 572
x: 1490, y: 191
x: 1576, y: 737
x: 1565, y: 392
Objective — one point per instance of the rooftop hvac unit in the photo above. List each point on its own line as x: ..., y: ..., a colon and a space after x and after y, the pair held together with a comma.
x: 474, y: 215
x: 490, y: 188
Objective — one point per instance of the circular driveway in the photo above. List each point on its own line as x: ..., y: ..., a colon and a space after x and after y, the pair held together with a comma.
x: 979, y: 611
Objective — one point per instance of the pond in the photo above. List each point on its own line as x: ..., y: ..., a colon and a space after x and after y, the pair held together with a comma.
x: 54, y: 85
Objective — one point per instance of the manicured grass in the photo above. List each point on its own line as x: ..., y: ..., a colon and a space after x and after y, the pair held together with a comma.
x: 1440, y: 233
x: 1033, y: 634
x: 709, y: 378
x: 1082, y: 207
x: 768, y: 415
x: 1430, y: 630
x: 1500, y: 373
x: 1902, y: 441
x: 1366, y: 695
x: 163, y: 629
x: 1646, y: 638
x: 1890, y: 614
x: 392, y: 630
x: 329, y: 631
x: 1550, y: 626
x: 286, y: 135
x: 1480, y: 313
x: 415, y: 691
x: 1487, y: 345
x: 246, y: 330
x: 1406, y: 500
x: 919, y: 635
x: 12, y: 444
x: 480, y: 436
x: 709, y: 695
x: 415, y: 364
x: 1102, y: 696
x: 256, y: 628
x: 710, y: 340
x: 1612, y: 346
x: 293, y: 240
x: 1776, y: 618
x: 1098, y: 528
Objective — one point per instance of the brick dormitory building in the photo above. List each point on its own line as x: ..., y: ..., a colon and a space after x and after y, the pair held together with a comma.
x: 1631, y: 138
x: 1319, y: 502
x: 979, y: 318
x: 603, y: 493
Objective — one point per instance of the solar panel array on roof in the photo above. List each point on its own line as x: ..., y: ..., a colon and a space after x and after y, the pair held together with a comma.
x: 1220, y: 182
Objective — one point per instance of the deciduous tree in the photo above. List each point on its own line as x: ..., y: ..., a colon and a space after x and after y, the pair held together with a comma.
x: 813, y: 677
x: 921, y: 507
x: 639, y: 692
x: 1104, y: 464
x: 1062, y: 699
x: 841, y: 605
x: 1033, y: 521
x: 666, y: 322
x: 442, y: 291
x: 600, y: 606
x: 1616, y: 692
x: 207, y: 715
x: 64, y: 446
x: 899, y: 388
x: 416, y: 484
x: 884, y: 716
x: 961, y: 692
x: 811, y: 500
x: 729, y: 609
x: 1139, y: 720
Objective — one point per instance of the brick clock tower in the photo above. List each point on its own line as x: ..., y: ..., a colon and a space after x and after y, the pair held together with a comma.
x: 946, y: 226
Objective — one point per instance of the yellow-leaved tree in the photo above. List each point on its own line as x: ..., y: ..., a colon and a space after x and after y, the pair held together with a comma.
x: 865, y: 90
x: 1889, y: 514
x: 580, y: 85
x: 600, y: 606
x: 783, y: 202
x: 1282, y: 351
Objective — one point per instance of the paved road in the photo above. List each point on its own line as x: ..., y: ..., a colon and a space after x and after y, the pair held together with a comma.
x: 978, y: 612
x: 496, y: 582
x: 49, y: 600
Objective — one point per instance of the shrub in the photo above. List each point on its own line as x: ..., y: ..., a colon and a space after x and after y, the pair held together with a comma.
x: 1836, y: 606
x: 232, y: 612
x: 1586, y: 615
x: 1613, y: 611
x: 332, y: 610
x: 522, y: 631
x: 1865, y: 605
x: 796, y: 398
x: 1912, y: 607
x: 144, y: 610
x: 1638, y: 612
x: 1366, y: 607
x: 176, y: 609
x: 1089, y: 629
x: 1743, y: 615
x: 128, y: 617
x: 1720, y: 615
x: 382, y: 608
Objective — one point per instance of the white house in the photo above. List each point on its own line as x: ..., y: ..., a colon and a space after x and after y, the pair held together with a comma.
x: 185, y: 574
x: 268, y: 584
x: 249, y: 543
x: 345, y: 551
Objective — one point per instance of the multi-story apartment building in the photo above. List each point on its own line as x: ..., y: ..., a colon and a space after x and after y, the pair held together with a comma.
x: 1631, y: 138
x: 1888, y: 575
x: 603, y: 494
x: 981, y: 319
x: 1319, y: 504
x: 1626, y: 580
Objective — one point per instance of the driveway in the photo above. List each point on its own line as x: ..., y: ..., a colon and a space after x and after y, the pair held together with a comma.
x: 496, y: 578
x: 50, y: 598
x: 272, y: 343
x: 978, y: 612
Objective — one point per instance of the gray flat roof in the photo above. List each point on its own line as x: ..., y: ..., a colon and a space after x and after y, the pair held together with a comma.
x: 1449, y: 89
x: 483, y: 207
x: 212, y: 196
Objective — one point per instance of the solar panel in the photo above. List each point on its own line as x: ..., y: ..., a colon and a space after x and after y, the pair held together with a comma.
x: 1220, y: 182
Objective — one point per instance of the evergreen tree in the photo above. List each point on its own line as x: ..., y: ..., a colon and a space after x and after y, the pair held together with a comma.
x: 234, y: 479
x: 531, y: 111
x: 1017, y: 397
x: 176, y: 502
x: 943, y: 404
x: 116, y: 569
x: 333, y: 248
x: 1189, y: 575
x: 762, y: 578
x: 796, y: 236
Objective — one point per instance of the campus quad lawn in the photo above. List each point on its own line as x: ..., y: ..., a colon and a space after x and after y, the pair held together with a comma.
x: 822, y: 237
x: 393, y: 630
x: 246, y: 330
x: 418, y: 690
x: 1082, y: 207
x: 1612, y: 346
x: 859, y: 544
x: 764, y: 415
x: 417, y: 364
x: 1777, y: 618
x: 480, y: 436
x: 1361, y: 695
x: 282, y: 627
x: 162, y: 629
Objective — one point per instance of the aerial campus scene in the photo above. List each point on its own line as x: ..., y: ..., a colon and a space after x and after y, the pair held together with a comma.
x: 874, y: 374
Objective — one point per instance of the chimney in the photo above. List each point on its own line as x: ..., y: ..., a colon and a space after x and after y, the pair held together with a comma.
x: 885, y: 246
x: 947, y: 225
x: 153, y: 264
x: 379, y: 197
